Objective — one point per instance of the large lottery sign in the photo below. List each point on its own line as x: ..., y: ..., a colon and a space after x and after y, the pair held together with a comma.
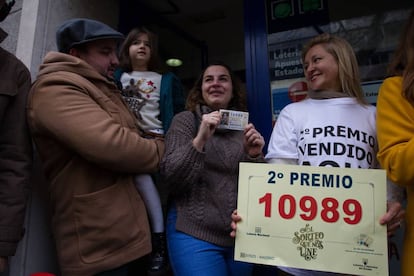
x: 315, y: 218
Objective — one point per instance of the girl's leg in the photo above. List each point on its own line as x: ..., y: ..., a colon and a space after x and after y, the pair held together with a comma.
x: 149, y: 194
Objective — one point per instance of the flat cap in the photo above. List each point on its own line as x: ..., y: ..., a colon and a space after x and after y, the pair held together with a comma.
x: 78, y: 31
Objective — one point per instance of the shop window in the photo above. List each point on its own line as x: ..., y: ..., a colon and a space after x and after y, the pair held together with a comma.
x: 373, y: 37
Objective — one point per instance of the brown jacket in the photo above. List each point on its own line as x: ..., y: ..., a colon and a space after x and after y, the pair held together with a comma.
x: 15, y: 149
x: 90, y: 148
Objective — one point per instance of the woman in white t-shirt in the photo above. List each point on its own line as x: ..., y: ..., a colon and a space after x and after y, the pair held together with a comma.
x: 333, y: 126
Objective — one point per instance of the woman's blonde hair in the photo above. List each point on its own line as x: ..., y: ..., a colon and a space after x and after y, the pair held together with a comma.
x: 348, y: 70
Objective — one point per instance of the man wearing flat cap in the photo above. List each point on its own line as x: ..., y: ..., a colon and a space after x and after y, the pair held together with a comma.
x: 15, y: 147
x: 90, y: 148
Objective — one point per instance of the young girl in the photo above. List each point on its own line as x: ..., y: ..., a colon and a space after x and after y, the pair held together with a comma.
x: 154, y: 98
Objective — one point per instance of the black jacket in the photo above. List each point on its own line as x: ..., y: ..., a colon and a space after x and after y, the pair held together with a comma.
x: 15, y: 149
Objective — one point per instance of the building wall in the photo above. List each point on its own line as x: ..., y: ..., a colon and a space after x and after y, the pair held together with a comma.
x: 51, y: 13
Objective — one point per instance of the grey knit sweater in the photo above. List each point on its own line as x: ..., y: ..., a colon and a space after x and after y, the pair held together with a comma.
x: 203, y: 185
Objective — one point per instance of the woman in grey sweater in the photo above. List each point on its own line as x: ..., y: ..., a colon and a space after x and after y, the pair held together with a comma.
x: 201, y: 166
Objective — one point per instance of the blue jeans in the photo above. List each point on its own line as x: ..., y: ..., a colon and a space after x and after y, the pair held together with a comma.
x: 190, y: 256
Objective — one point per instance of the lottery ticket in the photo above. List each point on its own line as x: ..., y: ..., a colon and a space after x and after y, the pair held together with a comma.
x: 231, y: 119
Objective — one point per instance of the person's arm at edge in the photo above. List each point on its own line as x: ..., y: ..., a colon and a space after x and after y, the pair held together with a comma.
x: 395, y: 130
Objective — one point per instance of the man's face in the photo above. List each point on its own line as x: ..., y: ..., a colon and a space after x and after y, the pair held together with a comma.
x: 100, y: 54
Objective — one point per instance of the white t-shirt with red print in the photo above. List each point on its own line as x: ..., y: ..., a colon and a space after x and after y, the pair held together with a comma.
x: 337, y: 132
x: 142, y: 94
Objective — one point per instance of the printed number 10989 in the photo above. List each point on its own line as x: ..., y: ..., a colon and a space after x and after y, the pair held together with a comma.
x: 309, y: 208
